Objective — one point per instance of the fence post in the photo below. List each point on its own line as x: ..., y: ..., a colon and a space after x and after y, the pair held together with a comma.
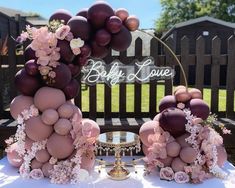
x: 153, y: 83
x: 12, y: 57
x: 215, y: 72
x: 230, y: 86
x: 200, y: 51
x: 137, y: 86
x: 184, y: 58
x: 169, y: 61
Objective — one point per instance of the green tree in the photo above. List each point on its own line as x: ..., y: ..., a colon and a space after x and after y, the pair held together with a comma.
x: 175, y: 11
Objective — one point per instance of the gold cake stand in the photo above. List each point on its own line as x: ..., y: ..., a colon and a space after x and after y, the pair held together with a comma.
x: 120, y: 143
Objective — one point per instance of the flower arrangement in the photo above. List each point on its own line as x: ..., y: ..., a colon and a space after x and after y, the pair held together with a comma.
x: 181, y: 141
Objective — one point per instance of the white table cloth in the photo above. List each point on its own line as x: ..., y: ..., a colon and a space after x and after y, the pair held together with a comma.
x: 9, y: 178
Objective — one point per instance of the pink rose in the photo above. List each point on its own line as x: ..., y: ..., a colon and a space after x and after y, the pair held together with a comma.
x: 181, y: 177
x: 43, y: 60
x: 76, y: 51
x: 44, y: 70
x: 197, y: 121
x: 62, y: 32
x: 181, y: 105
x: 36, y: 174
x: 52, y: 74
x: 167, y: 173
x: 86, y: 130
x: 69, y: 37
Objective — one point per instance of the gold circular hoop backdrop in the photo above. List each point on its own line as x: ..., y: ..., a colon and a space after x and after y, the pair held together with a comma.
x: 171, y: 52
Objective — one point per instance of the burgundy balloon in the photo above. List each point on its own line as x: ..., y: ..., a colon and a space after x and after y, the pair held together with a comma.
x: 199, y: 108
x: 29, y: 53
x: 66, y: 54
x: 63, y: 77
x: 102, y: 37
x: 98, y: 51
x: 61, y: 14
x: 114, y: 24
x: 122, y: 13
x: 26, y: 84
x: 75, y: 69
x: 79, y: 27
x: 31, y: 67
x: 83, y: 13
x: 122, y: 40
x: 98, y: 13
x: 167, y: 102
x: 85, y: 50
x: 173, y: 120
x: 72, y: 89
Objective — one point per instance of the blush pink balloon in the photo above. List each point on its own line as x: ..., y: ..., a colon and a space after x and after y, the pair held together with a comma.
x: 221, y: 155
x: 46, y: 169
x: 95, y: 129
x: 146, y: 130
x: 88, y: 161
x: 167, y: 161
x: 65, y: 111
x: 42, y: 156
x: 156, y: 118
x: 60, y: 146
x: 28, y: 143
x: 13, y: 157
x: 181, y: 140
x: 35, y: 164
x: 178, y: 165
x: 145, y: 149
x: 50, y: 116
x: 19, y: 104
x: 47, y: 97
x: 62, y: 126
x: 188, y: 154
x: 36, y: 130
x: 173, y: 149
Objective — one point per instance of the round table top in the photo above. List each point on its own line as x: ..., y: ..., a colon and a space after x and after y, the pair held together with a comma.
x: 118, y: 138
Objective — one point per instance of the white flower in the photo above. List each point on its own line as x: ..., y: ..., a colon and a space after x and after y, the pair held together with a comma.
x: 76, y: 43
x: 83, y: 175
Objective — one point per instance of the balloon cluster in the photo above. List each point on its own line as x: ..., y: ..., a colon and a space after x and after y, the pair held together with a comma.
x: 180, y: 140
x: 49, y: 117
x: 58, y: 52
x: 101, y: 28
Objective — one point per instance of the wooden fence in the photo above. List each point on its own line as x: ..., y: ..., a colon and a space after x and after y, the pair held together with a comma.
x: 9, y: 65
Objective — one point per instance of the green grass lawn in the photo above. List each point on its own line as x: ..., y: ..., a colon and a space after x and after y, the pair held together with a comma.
x: 145, y: 98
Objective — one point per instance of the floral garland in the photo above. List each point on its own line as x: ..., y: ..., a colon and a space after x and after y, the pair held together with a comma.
x: 44, y: 43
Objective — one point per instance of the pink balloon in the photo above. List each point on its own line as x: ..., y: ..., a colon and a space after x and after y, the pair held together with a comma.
x: 63, y: 126
x: 178, y: 165
x: 28, y: 143
x: 43, y: 98
x: 221, y: 155
x: 36, y: 130
x: 146, y: 130
x: 59, y: 146
x: 35, y: 164
x: 46, y: 169
x: 50, y: 116
x: 145, y: 149
x: 13, y: 157
x: 95, y: 129
x: 19, y: 104
x: 42, y: 156
x: 65, y: 111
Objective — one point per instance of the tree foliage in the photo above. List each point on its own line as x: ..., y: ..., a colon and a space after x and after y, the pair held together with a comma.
x: 175, y: 11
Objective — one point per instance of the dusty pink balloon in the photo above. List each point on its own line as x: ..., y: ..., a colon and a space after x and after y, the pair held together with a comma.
x: 181, y: 140
x: 42, y: 156
x: 95, y: 129
x: 173, y: 149
x: 35, y: 164
x: 66, y: 111
x: 60, y: 146
x: 182, y: 95
x: 47, y: 97
x: 63, y: 126
x: 178, y: 165
x: 50, y: 116
x: 46, y: 169
x: 13, y: 157
x: 167, y: 161
x: 19, y: 104
x: 132, y: 23
x: 146, y: 130
x: 88, y: 161
x: 36, y: 130
x: 221, y: 155
x: 122, y: 13
x: 188, y: 154
x: 195, y: 93
x: 167, y: 102
x: 179, y: 87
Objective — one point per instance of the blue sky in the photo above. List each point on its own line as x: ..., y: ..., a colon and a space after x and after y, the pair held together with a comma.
x: 146, y: 10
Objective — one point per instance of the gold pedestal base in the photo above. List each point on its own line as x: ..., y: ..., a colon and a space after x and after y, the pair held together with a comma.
x: 118, y: 173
